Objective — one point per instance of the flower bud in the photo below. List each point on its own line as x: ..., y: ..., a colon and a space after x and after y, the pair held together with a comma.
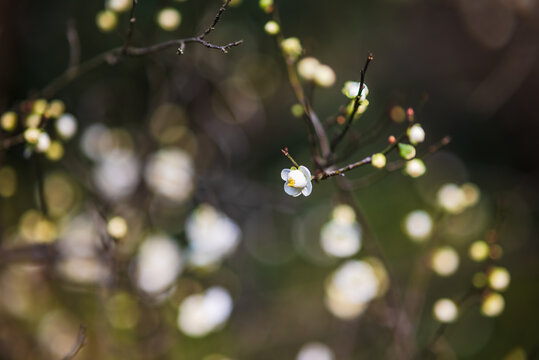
x: 378, y: 160
x: 292, y: 47
x: 31, y: 135
x: 416, y: 134
x: 9, y: 121
x: 406, y: 151
x: 272, y: 27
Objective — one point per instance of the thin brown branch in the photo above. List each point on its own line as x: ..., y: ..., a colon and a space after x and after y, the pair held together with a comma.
x: 397, y: 165
x: 131, y: 28
x: 287, y: 154
x: 215, y: 20
x: 80, y: 342
x: 327, y: 174
x: 357, y: 102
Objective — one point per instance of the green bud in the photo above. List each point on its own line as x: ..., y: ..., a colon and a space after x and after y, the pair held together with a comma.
x: 407, y: 151
x: 297, y: 110
x: 266, y: 5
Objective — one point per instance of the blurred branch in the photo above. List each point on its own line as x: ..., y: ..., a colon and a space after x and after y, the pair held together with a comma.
x: 81, y: 340
x: 33, y: 253
x: 40, y: 186
x: 337, y: 139
x: 74, y: 43
x: 316, y: 130
x: 440, y: 331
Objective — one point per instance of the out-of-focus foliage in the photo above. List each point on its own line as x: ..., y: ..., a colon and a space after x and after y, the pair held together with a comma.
x: 150, y: 210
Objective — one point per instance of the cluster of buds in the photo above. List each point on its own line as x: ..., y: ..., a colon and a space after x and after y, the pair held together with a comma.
x: 31, y: 120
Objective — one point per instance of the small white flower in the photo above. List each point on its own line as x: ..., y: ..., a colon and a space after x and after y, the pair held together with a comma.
x: 297, y: 181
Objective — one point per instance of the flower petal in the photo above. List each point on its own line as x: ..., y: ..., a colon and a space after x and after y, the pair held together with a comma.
x: 307, y: 189
x: 292, y: 191
x: 305, y: 172
x: 284, y: 174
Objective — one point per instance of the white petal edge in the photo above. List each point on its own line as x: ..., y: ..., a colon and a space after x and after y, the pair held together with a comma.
x: 307, y: 189
x: 292, y: 191
x: 305, y: 172
x: 284, y: 174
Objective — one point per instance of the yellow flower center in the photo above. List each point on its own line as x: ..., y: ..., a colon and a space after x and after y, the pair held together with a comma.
x: 291, y: 182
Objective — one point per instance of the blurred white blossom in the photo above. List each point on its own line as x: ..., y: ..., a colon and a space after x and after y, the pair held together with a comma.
x: 66, y: 126
x: 200, y: 314
x: 116, y: 175
x: 445, y: 310
x: 315, y: 351
x: 212, y: 236
x: 445, y: 261
x: 341, y: 236
x: 499, y: 278
x: 415, y: 168
x: 169, y: 173
x: 307, y: 67
x: 418, y: 225
x: 159, y: 262
x: 451, y: 198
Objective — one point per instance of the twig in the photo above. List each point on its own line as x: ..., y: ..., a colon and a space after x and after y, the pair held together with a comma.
x: 81, y: 341
x: 327, y: 174
x: 131, y: 28
x: 215, y: 20
x: 337, y: 139
x: 285, y: 153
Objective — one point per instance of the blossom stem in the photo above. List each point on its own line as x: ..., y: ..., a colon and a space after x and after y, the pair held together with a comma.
x: 287, y: 154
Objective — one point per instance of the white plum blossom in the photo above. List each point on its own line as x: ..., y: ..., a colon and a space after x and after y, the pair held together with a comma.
x: 297, y: 181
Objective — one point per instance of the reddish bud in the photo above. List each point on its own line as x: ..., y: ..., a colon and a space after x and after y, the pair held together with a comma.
x: 410, y: 114
x: 391, y: 139
x: 340, y: 120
